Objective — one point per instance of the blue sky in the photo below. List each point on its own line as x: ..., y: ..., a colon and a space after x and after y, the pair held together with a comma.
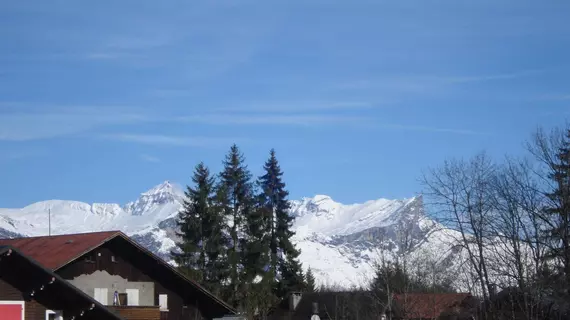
x: 101, y: 100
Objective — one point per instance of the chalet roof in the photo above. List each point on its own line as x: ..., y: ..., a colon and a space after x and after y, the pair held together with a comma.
x: 49, y: 289
x: 55, y: 252
x: 427, y: 305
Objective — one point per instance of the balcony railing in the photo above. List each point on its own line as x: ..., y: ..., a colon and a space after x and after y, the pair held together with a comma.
x: 139, y: 312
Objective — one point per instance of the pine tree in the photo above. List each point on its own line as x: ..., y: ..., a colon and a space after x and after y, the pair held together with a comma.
x: 215, y: 248
x: 558, y: 214
x: 283, y: 256
x: 195, y: 222
x: 255, y: 246
x: 310, y: 281
x: 236, y: 200
x: 392, y: 278
x: 389, y: 278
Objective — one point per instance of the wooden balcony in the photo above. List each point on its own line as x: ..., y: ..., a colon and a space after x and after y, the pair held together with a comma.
x: 139, y: 312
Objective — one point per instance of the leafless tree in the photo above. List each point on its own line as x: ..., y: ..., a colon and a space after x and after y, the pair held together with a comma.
x: 405, y: 243
x: 508, y: 252
x: 518, y: 254
x: 512, y: 220
x: 548, y: 150
x: 430, y: 271
x: 382, y: 298
x: 460, y: 193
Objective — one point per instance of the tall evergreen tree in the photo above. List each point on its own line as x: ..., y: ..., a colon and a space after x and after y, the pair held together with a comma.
x: 283, y: 256
x: 558, y: 214
x: 310, y: 281
x: 236, y: 200
x: 199, y: 228
x: 255, y: 246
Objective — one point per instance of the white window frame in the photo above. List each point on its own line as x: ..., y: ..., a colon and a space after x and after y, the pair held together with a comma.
x: 58, y: 314
x: 22, y: 303
x: 105, y: 302
x: 130, y: 293
x: 163, y: 307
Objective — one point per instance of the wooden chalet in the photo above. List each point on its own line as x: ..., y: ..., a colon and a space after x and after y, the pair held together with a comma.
x: 30, y: 291
x: 123, y: 276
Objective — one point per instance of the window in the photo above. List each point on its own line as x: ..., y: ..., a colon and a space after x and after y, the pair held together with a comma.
x: 163, y: 302
x: 133, y: 297
x: 54, y: 315
x: 90, y: 257
x: 101, y: 295
x: 113, y: 259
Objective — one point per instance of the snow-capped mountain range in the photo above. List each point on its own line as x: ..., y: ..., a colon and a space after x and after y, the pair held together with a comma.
x: 339, y: 242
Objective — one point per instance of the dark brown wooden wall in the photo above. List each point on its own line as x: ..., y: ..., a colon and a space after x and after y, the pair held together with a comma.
x: 123, y: 268
x: 9, y: 293
x: 33, y: 310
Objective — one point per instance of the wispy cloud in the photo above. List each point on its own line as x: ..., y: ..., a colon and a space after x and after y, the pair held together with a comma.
x: 131, y: 42
x: 404, y: 127
x: 320, y: 119
x: 271, y: 119
x: 149, y: 158
x: 19, y: 122
x: 21, y: 154
x: 107, y: 55
x: 166, y: 140
x: 482, y: 78
x: 128, y: 47
x: 171, y: 93
x: 427, y: 83
x: 35, y: 125
x: 22, y: 122
x: 555, y: 97
x: 299, y: 106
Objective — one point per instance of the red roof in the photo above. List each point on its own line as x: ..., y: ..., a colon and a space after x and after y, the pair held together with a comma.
x: 428, y: 305
x: 54, y: 252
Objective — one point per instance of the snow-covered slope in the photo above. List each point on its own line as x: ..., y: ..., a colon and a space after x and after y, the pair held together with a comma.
x: 339, y: 242
x: 343, y: 242
x: 153, y: 207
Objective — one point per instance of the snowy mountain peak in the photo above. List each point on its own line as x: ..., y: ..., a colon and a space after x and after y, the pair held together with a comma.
x: 324, y: 216
x: 57, y: 205
x: 166, y: 187
x: 164, y: 193
x: 321, y: 197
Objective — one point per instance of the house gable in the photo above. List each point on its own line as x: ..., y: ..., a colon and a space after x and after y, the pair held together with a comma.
x: 24, y: 280
x: 110, y: 268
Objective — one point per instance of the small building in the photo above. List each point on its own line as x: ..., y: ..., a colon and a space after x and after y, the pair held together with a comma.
x: 429, y: 306
x: 366, y: 305
x: 122, y: 275
x: 30, y: 291
x: 348, y: 305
